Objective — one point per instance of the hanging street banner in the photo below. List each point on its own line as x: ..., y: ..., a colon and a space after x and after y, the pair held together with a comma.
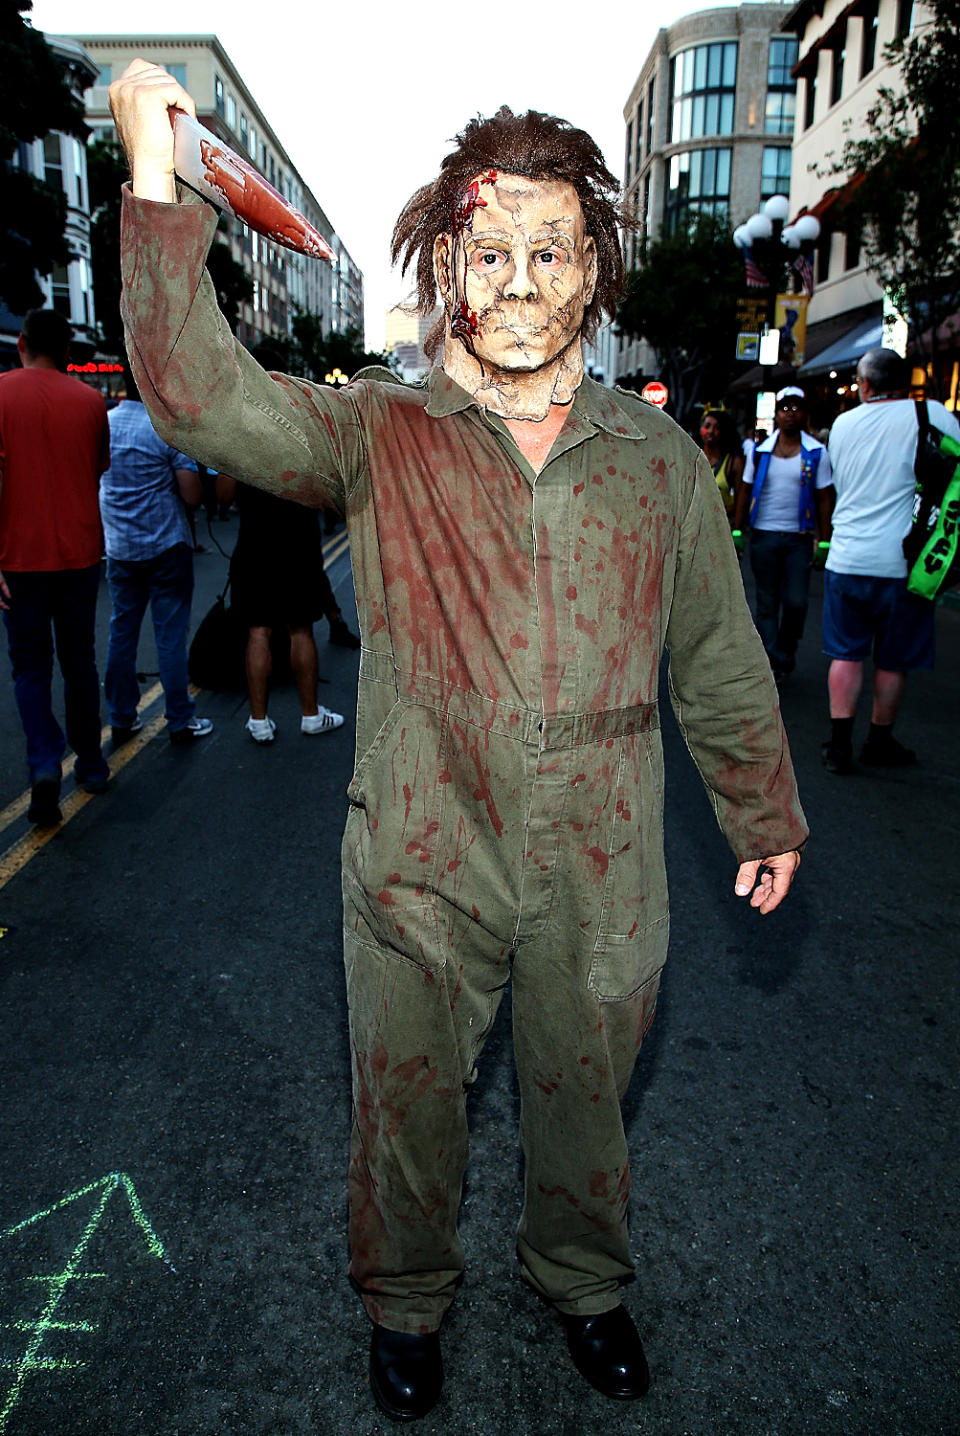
x: 790, y: 318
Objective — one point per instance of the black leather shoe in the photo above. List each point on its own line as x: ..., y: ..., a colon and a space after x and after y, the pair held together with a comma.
x: 406, y: 1372
x: 606, y: 1349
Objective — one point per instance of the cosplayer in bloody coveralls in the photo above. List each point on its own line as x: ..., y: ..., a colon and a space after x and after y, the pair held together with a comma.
x: 525, y: 545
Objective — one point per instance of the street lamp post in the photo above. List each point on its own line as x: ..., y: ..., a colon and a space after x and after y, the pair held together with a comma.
x: 775, y: 252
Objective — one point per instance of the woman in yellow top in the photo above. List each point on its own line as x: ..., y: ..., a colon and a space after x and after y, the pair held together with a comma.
x: 719, y: 441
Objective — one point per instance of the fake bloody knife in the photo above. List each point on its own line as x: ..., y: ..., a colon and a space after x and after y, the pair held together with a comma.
x: 229, y: 181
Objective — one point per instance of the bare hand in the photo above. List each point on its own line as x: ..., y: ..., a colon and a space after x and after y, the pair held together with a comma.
x: 774, y: 881
x: 4, y: 593
x: 140, y: 101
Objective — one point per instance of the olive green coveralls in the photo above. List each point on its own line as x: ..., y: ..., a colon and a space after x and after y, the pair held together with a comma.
x: 506, y: 811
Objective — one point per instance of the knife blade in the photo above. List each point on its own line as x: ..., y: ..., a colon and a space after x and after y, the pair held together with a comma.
x: 226, y: 179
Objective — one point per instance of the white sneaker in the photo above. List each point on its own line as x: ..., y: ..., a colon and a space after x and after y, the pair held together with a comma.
x: 261, y: 730
x: 196, y: 728
x: 321, y: 722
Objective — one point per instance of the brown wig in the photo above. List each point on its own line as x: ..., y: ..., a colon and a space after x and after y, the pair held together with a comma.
x: 538, y: 147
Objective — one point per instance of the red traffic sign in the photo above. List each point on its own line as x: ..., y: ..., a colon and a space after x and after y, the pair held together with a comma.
x: 655, y: 393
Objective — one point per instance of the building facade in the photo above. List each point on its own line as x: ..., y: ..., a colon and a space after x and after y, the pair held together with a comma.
x: 709, y: 129
x: 840, y: 68
x: 283, y: 282
x: 61, y: 160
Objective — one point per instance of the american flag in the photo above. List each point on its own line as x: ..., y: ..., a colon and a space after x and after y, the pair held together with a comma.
x: 756, y: 279
x: 804, y: 268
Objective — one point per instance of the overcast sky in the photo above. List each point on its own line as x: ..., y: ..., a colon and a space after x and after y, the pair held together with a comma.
x: 365, y: 96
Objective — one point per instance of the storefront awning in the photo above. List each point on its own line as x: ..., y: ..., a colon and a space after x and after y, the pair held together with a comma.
x: 845, y: 352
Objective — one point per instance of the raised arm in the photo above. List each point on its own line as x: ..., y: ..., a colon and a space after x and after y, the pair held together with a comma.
x: 205, y: 394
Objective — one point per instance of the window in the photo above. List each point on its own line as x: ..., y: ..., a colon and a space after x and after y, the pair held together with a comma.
x: 851, y: 252
x: 80, y: 174
x: 231, y: 112
x: 837, y: 59
x: 273, y: 172
x: 810, y: 99
x: 781, y: 86
x: 243, y: 130
x: 639, y: 150
x: 702, y: 91
x: 824, y: 244
x: 52, y: 160
x: 218, y: 95
x: 699, y: 183
x: 651, y: 91
x: 60, y: 286
x: 775, y: 171
x: 179, y: 73
x: 104, y: 75
x: 904, y: 18
x: 252, y: 145
x: 868, y: 43
x: 629, y: 154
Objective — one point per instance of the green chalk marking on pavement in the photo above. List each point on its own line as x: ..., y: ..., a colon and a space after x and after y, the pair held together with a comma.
x: 58, y: 1283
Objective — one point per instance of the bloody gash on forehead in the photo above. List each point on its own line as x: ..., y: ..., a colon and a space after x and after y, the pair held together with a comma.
x: 540, y: 147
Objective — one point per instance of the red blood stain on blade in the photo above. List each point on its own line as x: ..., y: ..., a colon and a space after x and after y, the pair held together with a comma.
x: 225, y: 178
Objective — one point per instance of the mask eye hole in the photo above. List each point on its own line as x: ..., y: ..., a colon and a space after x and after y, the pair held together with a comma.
x: 487, y: 261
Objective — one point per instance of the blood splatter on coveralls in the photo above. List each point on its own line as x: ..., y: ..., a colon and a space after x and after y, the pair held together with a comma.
x: 505, y: 814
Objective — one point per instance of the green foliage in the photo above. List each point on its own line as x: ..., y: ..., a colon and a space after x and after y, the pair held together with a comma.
x: 683, y: 303
x: 905, y: 195
x: 36, y: 99
x: 106, y: 172
x: 316, y: 354
x: 231, y: 281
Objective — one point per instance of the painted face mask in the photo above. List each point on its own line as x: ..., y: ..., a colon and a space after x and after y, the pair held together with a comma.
x: 516, y: 273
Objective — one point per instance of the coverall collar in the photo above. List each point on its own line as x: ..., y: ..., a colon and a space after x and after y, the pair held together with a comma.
x: 594, y: 407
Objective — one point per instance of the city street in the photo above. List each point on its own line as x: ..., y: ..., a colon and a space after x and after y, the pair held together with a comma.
x: 176, y: 1096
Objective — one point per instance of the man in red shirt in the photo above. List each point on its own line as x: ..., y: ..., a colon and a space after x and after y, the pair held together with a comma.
x: 54, y: 445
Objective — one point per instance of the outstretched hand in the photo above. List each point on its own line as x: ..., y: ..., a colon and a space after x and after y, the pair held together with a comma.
x: 140, y: 101
x: 767, y: 880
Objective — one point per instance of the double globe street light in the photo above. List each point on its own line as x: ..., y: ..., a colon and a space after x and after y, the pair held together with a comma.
x: 774, y: 254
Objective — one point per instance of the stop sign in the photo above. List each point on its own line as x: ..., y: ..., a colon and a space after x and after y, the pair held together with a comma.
x: 655, y: 393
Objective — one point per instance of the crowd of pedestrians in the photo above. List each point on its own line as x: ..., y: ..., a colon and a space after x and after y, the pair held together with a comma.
x: 78, y: 482
x: 846, y: 505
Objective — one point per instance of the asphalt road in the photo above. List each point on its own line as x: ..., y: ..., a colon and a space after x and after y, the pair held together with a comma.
x: 175, y: 1099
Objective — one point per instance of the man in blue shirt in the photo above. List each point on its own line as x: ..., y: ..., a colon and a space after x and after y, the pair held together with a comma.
x: 143, y: 504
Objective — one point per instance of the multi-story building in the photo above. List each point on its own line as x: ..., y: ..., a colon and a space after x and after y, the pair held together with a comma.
x: 709, y: 127
x: 406, y: 333
x: 283, y: 282
x: 61, y: 160
x: 841, y: 68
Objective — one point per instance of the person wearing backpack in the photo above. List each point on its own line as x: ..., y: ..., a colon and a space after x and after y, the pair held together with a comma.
x: 866, y: 607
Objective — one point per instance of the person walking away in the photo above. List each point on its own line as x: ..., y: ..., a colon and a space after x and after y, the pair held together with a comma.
x: 277, y: 580
x: 785, y: 483
x: 867, y: 608
x: 54, y: 444
x: 144, y: 500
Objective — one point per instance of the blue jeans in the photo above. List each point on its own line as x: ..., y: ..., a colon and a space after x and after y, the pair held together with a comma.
x: 781, y: 572
x: 59, y: 606
x: 166, y: 583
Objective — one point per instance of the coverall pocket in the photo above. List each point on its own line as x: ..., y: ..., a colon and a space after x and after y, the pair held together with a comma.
x: 634, y: 926
x: 390, y: 841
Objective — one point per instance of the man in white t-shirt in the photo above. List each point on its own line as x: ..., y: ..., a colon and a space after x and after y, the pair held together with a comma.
x: 867, y: 607
x: 783, y: 486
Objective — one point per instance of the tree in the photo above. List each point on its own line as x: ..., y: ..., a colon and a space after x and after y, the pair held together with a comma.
x: 37, y: 99
x: 904, y: 192
x: 231, y: 281
x: 317, y: 354
x: 106, y: 172
x: 683, y: 303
